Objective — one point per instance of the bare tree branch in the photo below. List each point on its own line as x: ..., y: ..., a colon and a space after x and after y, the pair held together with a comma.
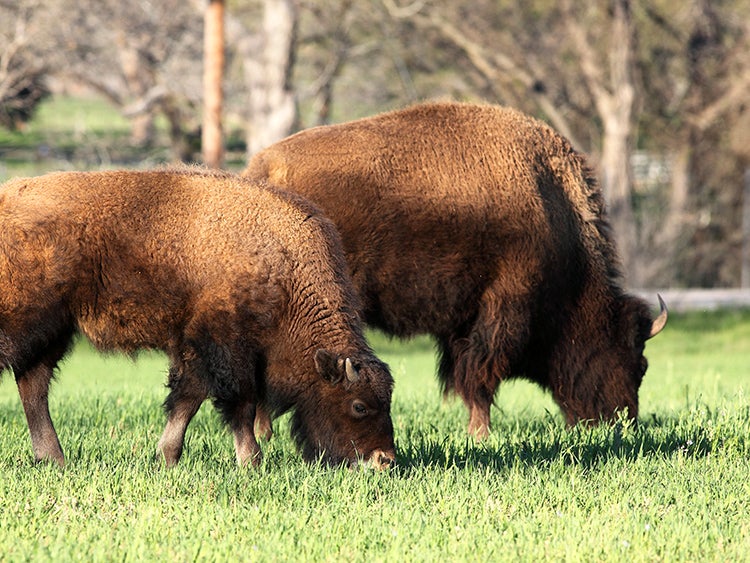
x: 735, y: 87
x: 147, y: 103
x: 498, y: 68
x: 403, y: 12
x: 23, y: 67
x: 590, y: 67
x: 736, y: 93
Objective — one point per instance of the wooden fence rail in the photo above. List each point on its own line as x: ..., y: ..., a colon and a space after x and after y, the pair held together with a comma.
x: 680, y: 300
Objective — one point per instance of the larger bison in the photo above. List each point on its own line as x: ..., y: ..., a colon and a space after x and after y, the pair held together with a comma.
x: 483, y: 227
x: 243, y: 286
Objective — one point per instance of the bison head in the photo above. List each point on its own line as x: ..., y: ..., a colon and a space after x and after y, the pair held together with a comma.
x: 345, y: 416
x: 608, y: 367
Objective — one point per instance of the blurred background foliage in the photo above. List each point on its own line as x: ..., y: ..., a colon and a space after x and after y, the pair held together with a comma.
x: 656, y: 93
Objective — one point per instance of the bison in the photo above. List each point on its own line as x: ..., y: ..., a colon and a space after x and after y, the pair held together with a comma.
x: 244, y: 287
x: 483, y: 227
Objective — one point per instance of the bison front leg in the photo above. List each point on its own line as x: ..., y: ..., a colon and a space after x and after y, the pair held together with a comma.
x: 471, y: 380
x: 33, y: 388
x: 246, y: 446
x: 475, y: 362
x: 173, y: 438
x: 263, y: 424
x: 185, y: 398
x: 228, y: 375
x: 479, y: 421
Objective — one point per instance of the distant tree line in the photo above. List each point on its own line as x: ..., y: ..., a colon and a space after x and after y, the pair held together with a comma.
x: 655, y: 92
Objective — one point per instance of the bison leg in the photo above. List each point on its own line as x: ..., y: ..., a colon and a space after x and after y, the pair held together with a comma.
x: 173, y: 438
x: 479, y: 421
x: 263, y: 424
x: 237, y: 406
x: 465, y: 371
x: 185, y: 398
x: 460, y: 372
x: 229, y: 375
x: 245, y: 444
x: 479, y: 359
x: 33, y: 388
x: 238, y: 410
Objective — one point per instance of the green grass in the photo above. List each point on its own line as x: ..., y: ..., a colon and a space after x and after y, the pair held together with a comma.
x: 677, y: 487
x: 88, y: 133
x: 74, y: 133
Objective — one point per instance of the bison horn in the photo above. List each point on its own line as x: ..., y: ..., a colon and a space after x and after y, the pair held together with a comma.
x: 351, y: 373
x: 661, y: 320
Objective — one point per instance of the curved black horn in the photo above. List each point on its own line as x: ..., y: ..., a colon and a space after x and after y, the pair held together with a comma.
x: 661, y: 320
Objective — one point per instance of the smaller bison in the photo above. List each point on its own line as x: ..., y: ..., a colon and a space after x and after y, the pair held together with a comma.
x: 243, y: 286
x: 483, y: 227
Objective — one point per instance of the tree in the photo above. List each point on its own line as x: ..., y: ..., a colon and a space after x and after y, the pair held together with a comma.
x: 609, y: 77
x: 267, y: 57
x: 326, y: 43
x: 139, y: 55
x: 213, y: 74
x: 23, y: 68
x: 696, y: 68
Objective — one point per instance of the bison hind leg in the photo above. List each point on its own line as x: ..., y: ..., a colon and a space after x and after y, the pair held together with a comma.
x: 33, y: 387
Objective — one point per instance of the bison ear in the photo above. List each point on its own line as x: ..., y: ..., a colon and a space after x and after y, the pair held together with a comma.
x: 329, y: 366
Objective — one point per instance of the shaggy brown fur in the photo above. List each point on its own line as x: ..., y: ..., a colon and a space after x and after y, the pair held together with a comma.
x: 483, y: 227
x: 244, y: 287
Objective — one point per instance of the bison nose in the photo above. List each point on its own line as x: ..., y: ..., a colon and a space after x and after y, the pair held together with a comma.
x: 382, y: 460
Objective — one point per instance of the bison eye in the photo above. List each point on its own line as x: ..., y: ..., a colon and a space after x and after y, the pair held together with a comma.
x: 359, y: 409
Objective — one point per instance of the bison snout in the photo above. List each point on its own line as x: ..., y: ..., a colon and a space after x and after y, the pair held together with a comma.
x: 381, y: 460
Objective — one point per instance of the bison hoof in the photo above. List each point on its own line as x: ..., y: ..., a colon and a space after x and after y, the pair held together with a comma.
x: 264, y: 432
x: 251, y: 458
x: 169, y: 456
x: 49, y: 460
x: 479, y: 432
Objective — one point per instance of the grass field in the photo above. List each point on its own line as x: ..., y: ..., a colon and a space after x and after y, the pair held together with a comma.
x: 677, y: 487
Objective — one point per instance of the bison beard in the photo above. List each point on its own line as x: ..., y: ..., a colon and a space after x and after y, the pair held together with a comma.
x: 483, y: 227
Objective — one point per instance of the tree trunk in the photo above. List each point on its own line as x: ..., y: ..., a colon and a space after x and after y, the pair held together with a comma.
x: 745, y: 267
x: 617, y: 182
x: 665, y: 240
x: 183, y: 149
x: 135, y: 70
x: 679, y: 194
x: 612, y: 86
x: 273, y: 110
x: 213, y: 74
